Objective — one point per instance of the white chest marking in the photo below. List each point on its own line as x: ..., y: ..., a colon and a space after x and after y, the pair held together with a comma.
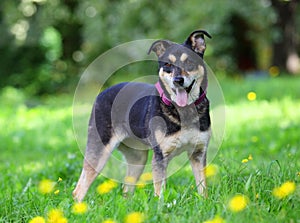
x: 184, y: 140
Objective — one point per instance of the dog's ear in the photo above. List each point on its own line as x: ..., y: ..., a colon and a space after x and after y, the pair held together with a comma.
x: 159, y: 47
x: 196, y: 41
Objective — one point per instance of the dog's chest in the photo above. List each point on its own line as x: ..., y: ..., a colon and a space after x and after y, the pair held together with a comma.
x: 187, y: 139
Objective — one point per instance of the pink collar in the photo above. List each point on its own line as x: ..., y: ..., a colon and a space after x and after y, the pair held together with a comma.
x: 168, y: 102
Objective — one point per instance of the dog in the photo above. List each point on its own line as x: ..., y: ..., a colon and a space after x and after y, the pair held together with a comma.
x: 169, y: 117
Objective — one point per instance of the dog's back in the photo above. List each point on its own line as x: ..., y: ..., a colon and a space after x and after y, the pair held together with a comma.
x: 171, y: 117
x: 124, y: 110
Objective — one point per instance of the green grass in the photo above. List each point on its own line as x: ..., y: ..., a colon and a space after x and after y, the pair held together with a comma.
x: 37, y: 142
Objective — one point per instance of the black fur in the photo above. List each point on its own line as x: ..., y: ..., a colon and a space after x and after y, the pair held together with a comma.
x: 141, y: 112
x: 137, y: 111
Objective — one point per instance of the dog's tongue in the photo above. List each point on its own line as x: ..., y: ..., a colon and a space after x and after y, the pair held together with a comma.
x: 181, y: 97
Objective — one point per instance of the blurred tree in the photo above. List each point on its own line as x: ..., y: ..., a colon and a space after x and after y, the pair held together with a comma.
x: 243, y: 47
x: 286, y: 42
x: 69, y: 28
x: 38, y: 42
x: 174, y: 19
x: 44, y: 44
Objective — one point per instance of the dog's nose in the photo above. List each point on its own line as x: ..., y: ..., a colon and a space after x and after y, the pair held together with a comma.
x: 178, y: 81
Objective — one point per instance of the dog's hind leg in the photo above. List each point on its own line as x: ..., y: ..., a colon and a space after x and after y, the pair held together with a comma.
x: 136, y: 161
x: 96, y: 155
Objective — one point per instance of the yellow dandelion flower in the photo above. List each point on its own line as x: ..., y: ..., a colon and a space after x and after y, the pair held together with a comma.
x: 79, y: 208
x: 211, y: 170
x: 257, y: 196
x: 251, y: 96
x: 56, y: 192
x: 140, y: 184
x: 146, y: 177
x: 238, y: 203
x: 59, y: 179
x: 56, y: 216
x: 37, y: 219
x: 109, y: 221
x: 135, y: 217
x: 245, y: 161
x: 106, y: 187
x: 46, y: 186
x: 216, y: 219
x: 250, y: 157
x: 129, y: 180
x: 284, y: 190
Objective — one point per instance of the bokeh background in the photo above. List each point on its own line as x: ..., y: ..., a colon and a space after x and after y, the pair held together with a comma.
x: 46, y: 44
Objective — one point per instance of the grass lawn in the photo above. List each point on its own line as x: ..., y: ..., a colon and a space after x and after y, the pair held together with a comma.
x: 260, y: 152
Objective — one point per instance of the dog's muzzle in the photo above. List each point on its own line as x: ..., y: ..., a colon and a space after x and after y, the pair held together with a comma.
x: 181, y: 93
x: 178, y: 81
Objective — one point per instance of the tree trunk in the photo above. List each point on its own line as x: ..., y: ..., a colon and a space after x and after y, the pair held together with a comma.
x: 285, y: 46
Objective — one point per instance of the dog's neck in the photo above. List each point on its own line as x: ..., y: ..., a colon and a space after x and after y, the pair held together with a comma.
x: 168, y: 101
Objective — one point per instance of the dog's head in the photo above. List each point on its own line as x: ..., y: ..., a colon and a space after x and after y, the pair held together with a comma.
x: 181, y: 68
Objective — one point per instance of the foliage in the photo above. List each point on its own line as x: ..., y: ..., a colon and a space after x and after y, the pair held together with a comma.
x: 37, y: 144
x: 45, y: 44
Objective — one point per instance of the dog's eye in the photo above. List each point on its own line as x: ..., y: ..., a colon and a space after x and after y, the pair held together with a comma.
x: 167, y: 67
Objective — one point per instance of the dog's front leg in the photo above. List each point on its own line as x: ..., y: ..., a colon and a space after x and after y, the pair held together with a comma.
x: 159, y: 166
x: 198, y: 163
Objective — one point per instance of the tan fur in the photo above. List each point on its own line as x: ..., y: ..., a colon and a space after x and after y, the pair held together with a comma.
x: 177, y: 143
x: 183, y: 57
x: 188, y: 138
x: 172, y: 58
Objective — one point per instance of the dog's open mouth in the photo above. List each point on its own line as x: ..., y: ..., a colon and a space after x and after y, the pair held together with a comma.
x: 189, y: 88
x: 182, y: 95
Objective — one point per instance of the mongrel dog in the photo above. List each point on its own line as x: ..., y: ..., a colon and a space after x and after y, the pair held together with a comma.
x: 171, y: 117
